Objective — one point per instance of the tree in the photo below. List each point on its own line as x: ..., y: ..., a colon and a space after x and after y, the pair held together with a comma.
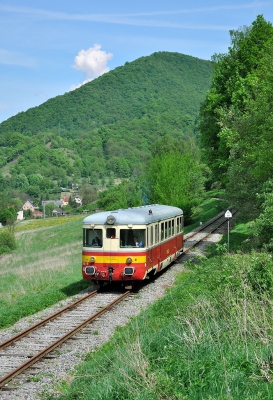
x: 48, y: 209
x: 8, y: 216
x: 7, y: 242
x: 251, y: 152
x: 88, y: 194
x: 175, y: 174
x: 234, y: 80
x: 125, y: 195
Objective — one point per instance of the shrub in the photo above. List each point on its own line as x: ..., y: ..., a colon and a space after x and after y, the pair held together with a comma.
x: 7, y: 242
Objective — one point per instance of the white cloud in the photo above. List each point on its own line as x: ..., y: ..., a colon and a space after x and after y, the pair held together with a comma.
x: 93, y: 62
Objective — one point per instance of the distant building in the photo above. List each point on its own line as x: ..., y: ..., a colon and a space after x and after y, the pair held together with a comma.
x: 28, y: 206
x: 57, y: 212
x: 20, y: 215
x: 65, y: 201
x: 78, y: 200
x: 38, y: 214
x: 57, y: 203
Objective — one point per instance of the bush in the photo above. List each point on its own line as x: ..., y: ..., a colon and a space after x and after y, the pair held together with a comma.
x: 7, y: 242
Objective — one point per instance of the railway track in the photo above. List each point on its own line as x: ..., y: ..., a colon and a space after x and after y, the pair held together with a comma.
x: 23, y: 350
x: 202, y: 233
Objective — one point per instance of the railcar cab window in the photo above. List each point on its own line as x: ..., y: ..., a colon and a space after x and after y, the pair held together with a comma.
x: 111, y: 233
x: 92, y: 237
x: 132, y: 238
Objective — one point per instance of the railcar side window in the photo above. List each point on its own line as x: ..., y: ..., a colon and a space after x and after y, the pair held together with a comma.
x: 132, y: 238
x: 162, y: 231
x: 92, y: 237
x: 156, y: 233
x: 172, y: 226
x: 152, y: 236
x: 177, y: 225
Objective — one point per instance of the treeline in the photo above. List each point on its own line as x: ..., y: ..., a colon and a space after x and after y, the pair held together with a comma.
x: 236, y: 128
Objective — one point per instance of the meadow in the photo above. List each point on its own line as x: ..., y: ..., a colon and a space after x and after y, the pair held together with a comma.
x: 44, y: 269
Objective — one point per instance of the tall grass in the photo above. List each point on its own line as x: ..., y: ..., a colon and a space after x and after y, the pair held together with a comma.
x: 211, y: 337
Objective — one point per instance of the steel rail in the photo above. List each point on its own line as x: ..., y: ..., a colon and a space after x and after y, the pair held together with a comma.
x: 205, y: 225
x: 32, y: 328
x: 208, y: 234
x: 58, y: 342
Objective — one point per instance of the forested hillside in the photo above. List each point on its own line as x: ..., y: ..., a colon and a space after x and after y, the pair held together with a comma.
x: 104, y: 129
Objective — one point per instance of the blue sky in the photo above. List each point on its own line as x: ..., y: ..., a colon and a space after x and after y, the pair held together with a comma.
x: 48, y: 48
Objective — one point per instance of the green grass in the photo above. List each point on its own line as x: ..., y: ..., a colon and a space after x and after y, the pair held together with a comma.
x: 45, y: 268
x: 240, y: 239
x: 44, y: 222
x: 209, y: 208
x: 207, y: 339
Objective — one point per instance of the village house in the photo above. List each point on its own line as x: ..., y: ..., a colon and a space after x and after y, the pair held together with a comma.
x: 65, y: 201
x: 38, y: 214
x: 28, y: 206
x: 78, y: 200
x: 57, y: 203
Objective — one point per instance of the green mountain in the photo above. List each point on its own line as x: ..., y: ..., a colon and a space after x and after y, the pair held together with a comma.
x: 105, y: 127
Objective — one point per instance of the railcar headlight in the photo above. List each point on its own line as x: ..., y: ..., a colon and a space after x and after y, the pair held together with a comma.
x: 90, y: 270
x: 92, y: 259
x: 129, y: 271
x: 129, y: 260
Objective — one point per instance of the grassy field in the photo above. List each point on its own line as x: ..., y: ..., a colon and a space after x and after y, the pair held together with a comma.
x: 45, y: 267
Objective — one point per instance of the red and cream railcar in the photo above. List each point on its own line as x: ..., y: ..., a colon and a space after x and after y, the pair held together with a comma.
x: 132, y: 244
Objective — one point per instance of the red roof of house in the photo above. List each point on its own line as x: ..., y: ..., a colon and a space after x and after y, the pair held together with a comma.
x: 37, y: 213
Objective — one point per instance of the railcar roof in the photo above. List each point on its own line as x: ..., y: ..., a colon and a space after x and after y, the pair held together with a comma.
x: 136, y: 215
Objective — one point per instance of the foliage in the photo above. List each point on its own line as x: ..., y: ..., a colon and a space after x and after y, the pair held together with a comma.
x: 88, y: 194
x: 263, y: 225
x: 212, y: 205
x: 175, y: 174
x: 8, y: 215
x: 236, y: 122
x: 7, y: 241
x: 127, y: 194
x: 236, y: 125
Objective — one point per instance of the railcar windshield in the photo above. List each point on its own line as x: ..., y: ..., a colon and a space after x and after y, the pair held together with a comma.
x: 132, y: 238
x: 92, y: 237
